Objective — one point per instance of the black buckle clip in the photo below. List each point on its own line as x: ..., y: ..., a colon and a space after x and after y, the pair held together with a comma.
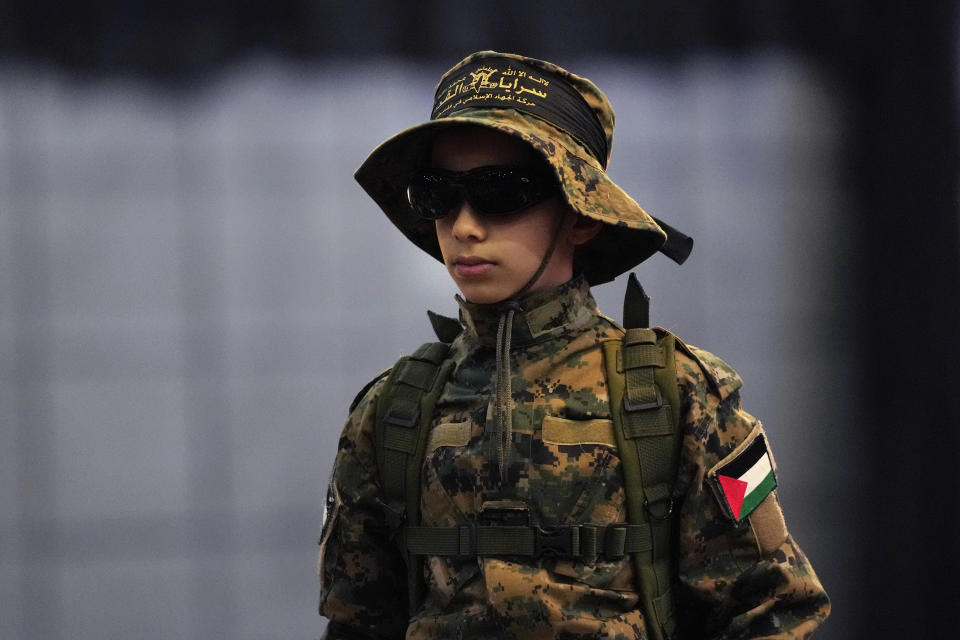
x: 662, y: 516
x: 551, y: 542
x: 643, y: 406
x: 412, y: 418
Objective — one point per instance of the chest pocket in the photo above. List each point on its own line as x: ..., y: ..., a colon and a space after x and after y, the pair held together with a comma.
x: 577, y: 471
x: 448, y: 434
x: 564, y: 432
x: 592, y: 488
x: 449, y: 474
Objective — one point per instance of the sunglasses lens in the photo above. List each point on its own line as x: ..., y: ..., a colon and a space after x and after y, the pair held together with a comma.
x: 501, y: 191
x: 431, y: 195
x: 491, y: 191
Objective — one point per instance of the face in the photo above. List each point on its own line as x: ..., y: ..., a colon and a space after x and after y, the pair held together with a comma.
x: 492, y: 258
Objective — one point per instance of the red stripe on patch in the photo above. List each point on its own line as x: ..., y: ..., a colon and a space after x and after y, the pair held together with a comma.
x: 734, y: 490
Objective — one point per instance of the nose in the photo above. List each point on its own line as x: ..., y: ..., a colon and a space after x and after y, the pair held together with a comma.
x: 467, y: 225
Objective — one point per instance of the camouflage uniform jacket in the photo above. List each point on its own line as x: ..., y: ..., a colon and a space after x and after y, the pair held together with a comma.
x: 735, y: 581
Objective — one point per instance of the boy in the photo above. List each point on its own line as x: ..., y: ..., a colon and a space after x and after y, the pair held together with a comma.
x: 541, y: 472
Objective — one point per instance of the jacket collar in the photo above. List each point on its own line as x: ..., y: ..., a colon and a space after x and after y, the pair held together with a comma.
x: 539, y: 315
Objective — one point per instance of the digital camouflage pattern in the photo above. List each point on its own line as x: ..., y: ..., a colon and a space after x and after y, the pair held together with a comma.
x: 734, y: 581
x: 629, y: 235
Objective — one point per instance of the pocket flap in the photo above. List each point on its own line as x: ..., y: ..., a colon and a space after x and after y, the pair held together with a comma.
x: 449, y: 434
x: 563, y: 431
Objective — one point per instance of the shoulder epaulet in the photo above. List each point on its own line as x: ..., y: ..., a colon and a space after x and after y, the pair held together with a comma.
x: 366, y: 388
x: 721, y: 376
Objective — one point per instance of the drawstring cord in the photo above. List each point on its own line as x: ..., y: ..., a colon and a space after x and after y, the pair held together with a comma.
x: 503, y: 391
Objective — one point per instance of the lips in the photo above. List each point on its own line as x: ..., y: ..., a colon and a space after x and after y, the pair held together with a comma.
x: 472, y: 266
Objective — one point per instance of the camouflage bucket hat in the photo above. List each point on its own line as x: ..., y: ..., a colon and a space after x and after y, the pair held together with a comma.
x: 562, y: 116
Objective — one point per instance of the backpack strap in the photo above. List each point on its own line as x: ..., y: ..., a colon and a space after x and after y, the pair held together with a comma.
x: 404, y: 414
x: 357, y: 398
x: 645, y: 407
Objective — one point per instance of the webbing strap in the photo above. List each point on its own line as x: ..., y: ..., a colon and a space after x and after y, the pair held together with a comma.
x: 640, y: 335
x: 644, y: 403
x: 641, y: 424
x: 575, y: 541
x: 432, y: 352
x: 417, y: 373
x: 642, y: 355
x: 404, y: 413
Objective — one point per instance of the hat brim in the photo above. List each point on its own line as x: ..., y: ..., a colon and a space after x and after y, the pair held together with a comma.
x: 629, y: 235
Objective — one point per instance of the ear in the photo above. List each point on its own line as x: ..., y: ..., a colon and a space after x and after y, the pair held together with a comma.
x: 583, y: 229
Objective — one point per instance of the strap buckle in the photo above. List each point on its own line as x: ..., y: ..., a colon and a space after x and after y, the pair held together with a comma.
x: 643, y: 406
x: 554, y: 541
x: 402, y: 418
x: 661, y: 516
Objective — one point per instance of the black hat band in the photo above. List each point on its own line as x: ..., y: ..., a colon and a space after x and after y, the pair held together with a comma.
x: 508, y: 83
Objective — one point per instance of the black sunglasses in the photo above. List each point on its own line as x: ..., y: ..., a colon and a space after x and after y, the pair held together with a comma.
x: 490, y: 191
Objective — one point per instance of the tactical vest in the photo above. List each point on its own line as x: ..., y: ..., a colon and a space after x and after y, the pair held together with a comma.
x: 644, y: 405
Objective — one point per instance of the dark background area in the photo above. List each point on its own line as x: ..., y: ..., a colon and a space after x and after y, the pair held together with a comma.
x: 897, y: 65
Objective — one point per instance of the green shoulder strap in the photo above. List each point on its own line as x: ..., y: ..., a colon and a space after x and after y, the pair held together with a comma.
x: 644, y: 403
x: 404, y: 414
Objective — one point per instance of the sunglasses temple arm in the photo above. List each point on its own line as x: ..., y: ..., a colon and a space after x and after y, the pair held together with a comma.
x: 678, y: 245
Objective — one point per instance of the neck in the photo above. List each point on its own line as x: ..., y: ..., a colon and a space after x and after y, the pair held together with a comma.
x: 538, y: 314
x: 545, y: 262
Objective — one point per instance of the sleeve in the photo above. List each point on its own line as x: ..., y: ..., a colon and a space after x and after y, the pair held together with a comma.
x: 362, y: 574
x: 741, y: 574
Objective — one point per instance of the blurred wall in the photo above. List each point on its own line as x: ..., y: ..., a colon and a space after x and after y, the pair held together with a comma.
x: 192, y: 289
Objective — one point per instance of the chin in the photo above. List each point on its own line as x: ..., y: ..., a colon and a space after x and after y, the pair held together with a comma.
x: 481, y: 294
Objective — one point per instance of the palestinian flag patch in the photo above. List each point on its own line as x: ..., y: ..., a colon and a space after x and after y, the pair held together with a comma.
x: 743, y: 480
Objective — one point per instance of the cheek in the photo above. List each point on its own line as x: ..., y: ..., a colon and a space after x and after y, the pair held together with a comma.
x: 530, y: 235
x: 523, y: 245
x: 442, y: 229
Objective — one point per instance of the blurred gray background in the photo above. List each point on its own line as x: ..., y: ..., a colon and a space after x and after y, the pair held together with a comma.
x: 193, y: 288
